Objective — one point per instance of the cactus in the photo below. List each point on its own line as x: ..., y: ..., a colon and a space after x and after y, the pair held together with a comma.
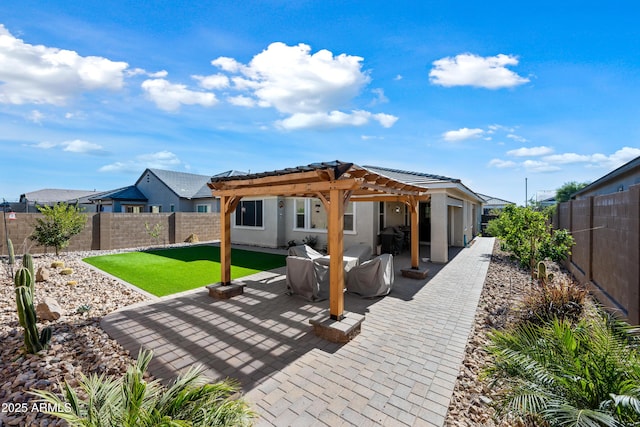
x: 27, y: 262
x: 541, y: 273
x: 12, y: 255
x: 57, y: 264
x: 27, y: 313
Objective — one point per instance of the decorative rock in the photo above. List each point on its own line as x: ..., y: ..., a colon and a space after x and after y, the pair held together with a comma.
x: 49, y: 309
x: 42, y: 275
x: 193, y: 238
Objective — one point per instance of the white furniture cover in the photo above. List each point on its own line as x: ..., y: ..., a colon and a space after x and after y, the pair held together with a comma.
x: 307, y: 278
x: 372, y: 278
x: 304, y: 251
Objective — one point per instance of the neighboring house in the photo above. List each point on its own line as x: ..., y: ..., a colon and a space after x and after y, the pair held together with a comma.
x: 490, y: 206
x: 549, y: 201
x: 490, y: 203
x: 52, y: 196
x: 450, y: 218
x: 618, y: 180
x: 127, y: 199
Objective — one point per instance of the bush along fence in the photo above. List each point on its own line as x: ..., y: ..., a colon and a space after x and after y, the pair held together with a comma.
x: 606, y: 255
x: 104, y: 231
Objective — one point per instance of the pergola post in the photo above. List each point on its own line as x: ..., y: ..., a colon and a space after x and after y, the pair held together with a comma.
x: 227, y: 205
x: 415, y: 243
x: 336, y: 243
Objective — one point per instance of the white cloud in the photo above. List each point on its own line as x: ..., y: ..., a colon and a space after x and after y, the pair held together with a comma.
x: 472, y: 70
x: 612, y: 161
x: 462, y: 134
x: 35, y: 116
x: 36, y: 74
x: 530, y: 151
x: 170, y: 97
x: 334, y: 119
x: 398, y: 77
x: 73, y: 146
x: 143, y: 72
x: 380, y: 97
x: 160, y: 160
x: 502, y: 164
x: 241, y: 101
x: 567, y: 158
x: 310, y: 88
x: 517, y: 138
x: 539, y: 166
x: 214, y: 81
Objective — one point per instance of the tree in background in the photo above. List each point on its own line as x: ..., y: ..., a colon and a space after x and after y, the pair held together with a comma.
x: 60, y: 223
x: 528, y: 234
x: 563, y: 194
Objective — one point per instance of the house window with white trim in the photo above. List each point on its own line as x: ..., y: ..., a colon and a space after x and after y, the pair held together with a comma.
x: 155, y: 209
x: 202, y: 208
x: 249, y: 213
x: 311, y: 215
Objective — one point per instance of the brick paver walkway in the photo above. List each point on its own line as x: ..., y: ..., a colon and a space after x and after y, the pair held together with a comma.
x: 400, y: 370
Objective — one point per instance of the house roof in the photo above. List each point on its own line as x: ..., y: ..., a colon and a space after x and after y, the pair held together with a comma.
x: 490, y: 200
x: 130, y: 193
x: 56, y: 195
x: 184, y: 185
x: 425, y: 180
x: 627, y: 167
x: 315, y: 178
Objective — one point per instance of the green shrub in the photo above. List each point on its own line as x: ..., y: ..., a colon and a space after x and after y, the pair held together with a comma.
x: 563, y: 374
x: 132, y: 401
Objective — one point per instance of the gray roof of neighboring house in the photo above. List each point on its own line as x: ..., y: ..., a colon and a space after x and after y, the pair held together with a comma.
x: 490, y: 200
x: 130, y: 193
x: 185, y: 185
x: 627, y: 167
x: 55, y: 195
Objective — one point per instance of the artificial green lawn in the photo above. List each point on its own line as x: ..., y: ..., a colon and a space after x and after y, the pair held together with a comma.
x: 168, y: 271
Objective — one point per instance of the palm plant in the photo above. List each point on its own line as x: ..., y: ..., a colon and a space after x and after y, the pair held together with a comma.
x: 559, y: 374
x: 133, y: 402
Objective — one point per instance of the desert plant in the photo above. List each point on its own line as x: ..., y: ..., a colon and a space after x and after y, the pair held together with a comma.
x: 12, y: 256
x: 60, y: 223
x: 133, y: 401
x: 541, y: 274
x: 562, y: 299
x: 57, y: 264
x: 66, y: 271
x: 154, y: 232
x: 563, y: 374
x: 27, y: 313
x: 27, y: 262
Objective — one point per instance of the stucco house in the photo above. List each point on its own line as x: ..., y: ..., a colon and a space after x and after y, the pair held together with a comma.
x: 450, y: 218
x: 52, y: 196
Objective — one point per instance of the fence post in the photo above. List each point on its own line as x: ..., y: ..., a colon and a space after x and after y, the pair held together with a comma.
x: 634, y: 272
x: 589, y: 266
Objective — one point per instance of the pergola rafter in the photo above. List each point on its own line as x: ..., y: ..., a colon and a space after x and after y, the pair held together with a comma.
x: 335, y: 184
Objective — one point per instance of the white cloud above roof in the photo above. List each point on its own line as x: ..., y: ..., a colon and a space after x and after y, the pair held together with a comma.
x: 159, y: 160
x: 311, y: 88
x: 170, y: 96
x: 73, y: 146
x: 45, y: 75
x: 530, y: 151
x: 467, y: 69
x: 462, y: 134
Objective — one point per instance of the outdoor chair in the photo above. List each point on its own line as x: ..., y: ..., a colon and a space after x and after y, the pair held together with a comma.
x: 372, y: 278
x: 304, y: 251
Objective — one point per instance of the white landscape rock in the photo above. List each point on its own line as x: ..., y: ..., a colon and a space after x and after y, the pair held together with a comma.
x: 49, y: 309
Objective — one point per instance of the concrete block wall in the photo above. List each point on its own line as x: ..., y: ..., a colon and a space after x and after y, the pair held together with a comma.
x: 606, y: 256
x: 116, y: 230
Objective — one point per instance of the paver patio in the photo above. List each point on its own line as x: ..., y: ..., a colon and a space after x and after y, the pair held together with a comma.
x: 400, y: 370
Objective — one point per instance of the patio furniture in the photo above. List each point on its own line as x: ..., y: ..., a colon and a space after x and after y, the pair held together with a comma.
x: 361, y: 251
x: 307, y: 278
x: 392, y: 240
x: 304, y: 251
x: 372, y: 278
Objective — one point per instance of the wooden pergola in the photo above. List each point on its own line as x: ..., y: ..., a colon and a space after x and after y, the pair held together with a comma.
x: 335, y: 184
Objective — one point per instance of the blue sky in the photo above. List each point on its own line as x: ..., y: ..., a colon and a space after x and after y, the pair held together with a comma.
x: 93, y: 92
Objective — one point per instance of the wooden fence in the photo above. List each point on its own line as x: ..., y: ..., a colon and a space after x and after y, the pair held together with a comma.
x: 606, y: 255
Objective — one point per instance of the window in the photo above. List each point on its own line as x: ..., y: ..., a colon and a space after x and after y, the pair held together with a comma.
x: 133, y: 209
x: 172, y: 208
x: 311, y: 215
x: 155, y: 209
x: 249, y: 213
x: 202, y: 208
